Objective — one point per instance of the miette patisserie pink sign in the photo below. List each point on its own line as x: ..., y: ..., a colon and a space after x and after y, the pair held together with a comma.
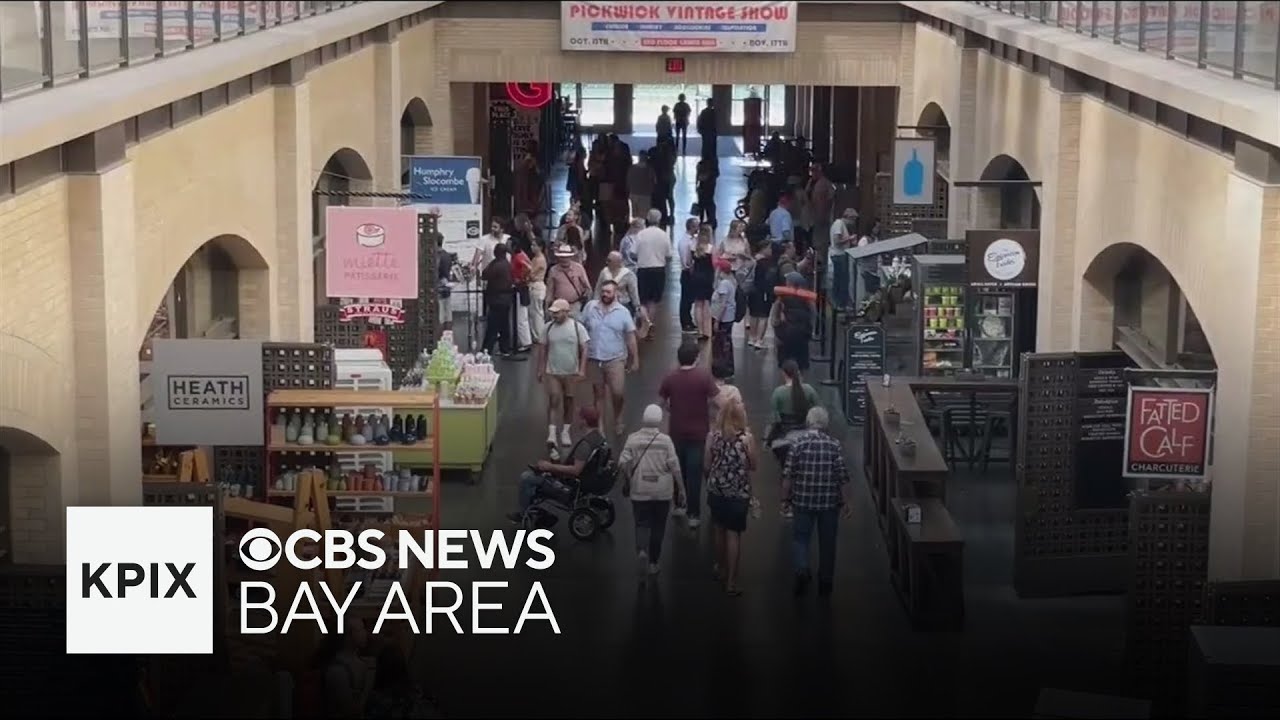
x: 371, y: 252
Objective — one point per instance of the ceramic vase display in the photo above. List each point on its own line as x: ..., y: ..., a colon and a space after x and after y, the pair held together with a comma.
x: 421, y: 428
x: 396, y: 433
x: 307, y: 433
x: 280, y: 431
x: 291, y: 429
x: 381, y: 435
x: 322, y: 429
x: 334, y: 435
x: 346, y: 428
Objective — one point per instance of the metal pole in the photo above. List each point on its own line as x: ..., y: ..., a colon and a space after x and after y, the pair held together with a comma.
x: 46, y: 44
x: 82, y: 15
x: 124, y: 33
x: 160, y: 31
x: 1237, y: 52
x: 833, y: 377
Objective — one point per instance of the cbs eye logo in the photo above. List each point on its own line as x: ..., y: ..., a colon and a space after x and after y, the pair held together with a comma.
x: 260, y: 549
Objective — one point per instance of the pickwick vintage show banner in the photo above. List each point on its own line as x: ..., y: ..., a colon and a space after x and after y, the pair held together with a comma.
x: 371, y: 252
x: 768, y: 27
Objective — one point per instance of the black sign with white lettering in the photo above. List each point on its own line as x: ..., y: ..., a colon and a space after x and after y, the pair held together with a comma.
x: 864, y: 357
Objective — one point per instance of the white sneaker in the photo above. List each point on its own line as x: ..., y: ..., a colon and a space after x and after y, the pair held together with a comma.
x: 551, y: 435
x: 694, y: 523
x: 642, y: 561
x: 677, y: 512
x: 564, y: 436
x: 654, y: 569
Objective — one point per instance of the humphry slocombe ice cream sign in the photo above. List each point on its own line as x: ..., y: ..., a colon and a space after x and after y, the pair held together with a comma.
x: 207, y: 392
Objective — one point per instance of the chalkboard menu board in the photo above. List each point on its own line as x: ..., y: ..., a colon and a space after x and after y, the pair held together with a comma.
x: 1100, y: 404
x: 864, y: 355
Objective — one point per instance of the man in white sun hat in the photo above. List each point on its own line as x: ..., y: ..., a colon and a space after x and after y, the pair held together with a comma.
x: 568, y: 280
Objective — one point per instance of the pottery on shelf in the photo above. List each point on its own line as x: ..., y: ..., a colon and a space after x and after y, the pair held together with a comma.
x: 307, y: 432
x: 346, y: 428
x: 322, y: 429
x: 396, y: 433
x: 420, y: 428
x: 334, y: 434
x: 381, y: 436
x: 292, y: 429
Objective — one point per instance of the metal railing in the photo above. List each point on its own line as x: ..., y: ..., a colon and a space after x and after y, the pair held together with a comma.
x: 1233, y: 36
x: 43, y: 44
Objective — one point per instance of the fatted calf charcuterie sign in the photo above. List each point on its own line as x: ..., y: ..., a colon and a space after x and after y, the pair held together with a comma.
x: 1167, y: 433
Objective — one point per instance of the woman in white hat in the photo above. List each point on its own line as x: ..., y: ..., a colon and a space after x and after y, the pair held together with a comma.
x: 651, y: 473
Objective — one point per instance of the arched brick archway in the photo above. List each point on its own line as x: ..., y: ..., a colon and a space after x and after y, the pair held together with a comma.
x: 345, y: 171
x: 31, y: 498
x: 416, y: 129
x: 1015, y: 205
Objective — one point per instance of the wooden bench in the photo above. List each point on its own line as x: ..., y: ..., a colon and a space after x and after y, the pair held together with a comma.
x: 926, y: 564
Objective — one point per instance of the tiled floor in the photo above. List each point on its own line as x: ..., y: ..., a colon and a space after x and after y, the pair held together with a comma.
x: 680, y: 646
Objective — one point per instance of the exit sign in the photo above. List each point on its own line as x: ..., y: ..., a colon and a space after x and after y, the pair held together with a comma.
x: 675, y: 65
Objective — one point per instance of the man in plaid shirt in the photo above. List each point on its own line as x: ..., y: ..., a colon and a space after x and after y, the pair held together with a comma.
x: 815, y: 485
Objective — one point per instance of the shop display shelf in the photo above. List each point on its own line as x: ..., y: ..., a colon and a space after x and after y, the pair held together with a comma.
x: 361, y: 493
x: 421, y: 445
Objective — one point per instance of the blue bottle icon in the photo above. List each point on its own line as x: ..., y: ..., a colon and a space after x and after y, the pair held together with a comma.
x: 913, y: 176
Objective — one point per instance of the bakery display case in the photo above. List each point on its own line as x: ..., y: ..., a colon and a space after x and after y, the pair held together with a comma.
x: 942, y: 287
x: 993, y: 331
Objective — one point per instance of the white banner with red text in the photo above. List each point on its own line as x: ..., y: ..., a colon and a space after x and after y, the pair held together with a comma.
x: 763, y: 27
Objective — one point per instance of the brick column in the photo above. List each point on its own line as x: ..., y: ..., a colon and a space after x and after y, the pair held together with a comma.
x: 104, y: 326
x: 962, y: 203
x: 295, y: 277
x: 388, y: 109
x: 1057, y: 313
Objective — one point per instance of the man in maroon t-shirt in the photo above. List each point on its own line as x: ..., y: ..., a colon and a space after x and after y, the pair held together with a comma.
x: 687, y: 392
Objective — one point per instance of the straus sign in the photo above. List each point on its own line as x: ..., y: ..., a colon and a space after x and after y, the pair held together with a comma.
x: 376, y: 312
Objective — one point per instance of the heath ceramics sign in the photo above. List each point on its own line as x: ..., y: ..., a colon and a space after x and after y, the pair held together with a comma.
x: 207, y: 392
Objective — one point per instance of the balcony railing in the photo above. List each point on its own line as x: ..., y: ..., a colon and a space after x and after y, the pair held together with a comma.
x: 1236, y: 37
x: 43, y: 44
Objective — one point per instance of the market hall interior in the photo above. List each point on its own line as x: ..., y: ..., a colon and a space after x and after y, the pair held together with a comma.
x: 1155, y: 186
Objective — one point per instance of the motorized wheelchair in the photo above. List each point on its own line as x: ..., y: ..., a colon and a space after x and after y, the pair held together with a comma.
x: 585, y: 498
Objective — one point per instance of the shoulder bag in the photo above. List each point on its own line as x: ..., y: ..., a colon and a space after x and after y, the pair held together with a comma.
x: 635, y: 466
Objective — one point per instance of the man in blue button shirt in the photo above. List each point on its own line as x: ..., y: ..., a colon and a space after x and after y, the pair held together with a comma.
x: 611, y: 349
x: 781, y: 226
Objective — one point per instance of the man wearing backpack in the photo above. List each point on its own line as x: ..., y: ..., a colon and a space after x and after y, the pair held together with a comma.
x: 562, y: 366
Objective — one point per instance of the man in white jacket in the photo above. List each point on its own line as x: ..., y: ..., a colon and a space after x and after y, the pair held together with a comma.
x: 651, y: 473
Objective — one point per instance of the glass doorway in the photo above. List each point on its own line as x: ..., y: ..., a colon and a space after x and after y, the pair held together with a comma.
x: 775, y: 104
x: 647, y: 102
x: 593, y: 101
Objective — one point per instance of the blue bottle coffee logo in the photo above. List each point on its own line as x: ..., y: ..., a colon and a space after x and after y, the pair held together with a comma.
x: 913, y: 176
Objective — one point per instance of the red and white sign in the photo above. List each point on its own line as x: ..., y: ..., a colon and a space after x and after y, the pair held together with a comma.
x: 756, y: 27
x: 380, y: 313
x: 1167, y: 433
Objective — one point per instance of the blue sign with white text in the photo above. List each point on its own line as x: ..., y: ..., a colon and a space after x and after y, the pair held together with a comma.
x: 445, y: 180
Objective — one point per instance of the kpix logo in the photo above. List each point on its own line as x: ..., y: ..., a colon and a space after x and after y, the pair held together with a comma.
x: 139, y: 580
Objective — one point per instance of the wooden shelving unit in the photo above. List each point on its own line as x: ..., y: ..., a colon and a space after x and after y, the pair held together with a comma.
x: 329, y: 400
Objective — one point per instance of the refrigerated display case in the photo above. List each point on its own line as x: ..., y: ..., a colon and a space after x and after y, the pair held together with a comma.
x: 993, y: 331
x: 941, y: 285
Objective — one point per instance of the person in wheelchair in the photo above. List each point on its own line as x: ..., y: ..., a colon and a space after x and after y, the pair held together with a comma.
x: 561, y: 478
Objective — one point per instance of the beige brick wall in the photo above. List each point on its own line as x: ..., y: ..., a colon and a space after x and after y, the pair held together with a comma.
x: 344, y: 112
x: 1261, y: 527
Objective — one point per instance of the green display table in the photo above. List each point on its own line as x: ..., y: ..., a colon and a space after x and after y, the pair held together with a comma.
x: 465, y: 433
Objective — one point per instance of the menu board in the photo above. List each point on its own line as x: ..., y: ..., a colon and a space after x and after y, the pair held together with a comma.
x: 864, y: 356
x: 1100, y: 405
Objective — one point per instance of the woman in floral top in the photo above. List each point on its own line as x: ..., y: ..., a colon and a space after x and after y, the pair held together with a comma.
x: 731, y: 457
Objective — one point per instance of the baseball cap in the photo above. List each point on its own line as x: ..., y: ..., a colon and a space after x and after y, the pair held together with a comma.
x: 560, y: 305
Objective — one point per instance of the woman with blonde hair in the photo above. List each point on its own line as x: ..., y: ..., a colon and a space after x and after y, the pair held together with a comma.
x: 731, y: 458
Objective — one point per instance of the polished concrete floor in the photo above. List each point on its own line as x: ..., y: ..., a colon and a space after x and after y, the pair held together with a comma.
x: 679, y: 645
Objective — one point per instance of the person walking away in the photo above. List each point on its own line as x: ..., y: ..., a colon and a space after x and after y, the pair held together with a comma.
x: 545, y: 471
x: 530, y: 186
x: 709, y: 130
x: 662, y: 158
x: 498, y: 294
x: 760, y: 298
x: 781, y: 228
x: 651, y: 476
x: 822, y: 197
x: 702, y: 276
x: 724, y: 314
x: 662, y: 128
x: 727, y: 393
x: 789, y: 405
x: 685, y: 251
x: 688, y: 392
x: 815, y: 485
x: 840, y: 241
x: 567, y: 280
x: 444, y: 280
x: 618, y: 169
x: 521, y: 267
x: 595, y: 181
x: 640, y: 182
x: 792, y: 322
x: 628, y: 290
x: 682, y: 111
x: 708, y: 172
x: 627, y: 247
x: 537, y: 289
x: 731, y: 458
x: 576, y: 184
x: 562, y: 366
x: 653, y: 255
x: 611, y: 349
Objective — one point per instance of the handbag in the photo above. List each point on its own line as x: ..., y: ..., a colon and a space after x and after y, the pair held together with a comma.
x: 626, y: 486
x: 695, y: 209
x: 522, y: 294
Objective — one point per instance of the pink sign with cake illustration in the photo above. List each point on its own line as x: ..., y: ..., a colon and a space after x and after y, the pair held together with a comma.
x: 371, y: 252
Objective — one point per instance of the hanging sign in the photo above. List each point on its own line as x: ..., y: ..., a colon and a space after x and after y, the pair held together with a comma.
x: 760, y: 27
x: 207, y: 392
x: 1003, y: 258
x: 377, y: 313
x: 913, y: 171
x: 371, y: 252
x: 1167, y: 433
x: 864, y: 357
x: 530, y: 96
